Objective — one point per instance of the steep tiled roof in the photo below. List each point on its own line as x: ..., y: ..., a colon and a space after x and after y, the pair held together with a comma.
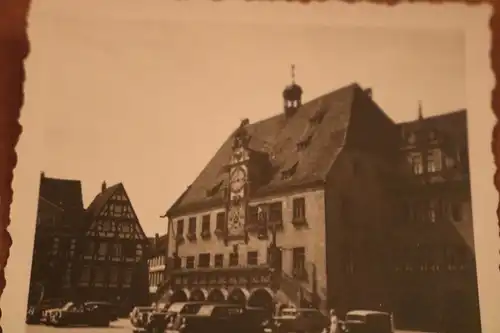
x: 321, y: 124
x: 65, y: 195
x: 100, y: 200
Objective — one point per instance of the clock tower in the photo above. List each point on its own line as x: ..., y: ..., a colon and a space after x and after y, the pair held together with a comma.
x: 238, y: 185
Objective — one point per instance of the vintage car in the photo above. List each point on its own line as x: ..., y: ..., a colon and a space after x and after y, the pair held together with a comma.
x: 110, y: 308
x: 35, y: 311
x: 300, y: 320
x: 368, y: 321
x: 82, y: 314
x: 139, y: 317
x: 223, y: 318
x: 158, y: 318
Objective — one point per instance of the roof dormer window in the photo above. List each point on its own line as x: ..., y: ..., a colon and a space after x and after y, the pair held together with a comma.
x: 318, y: 116
x: 304, y: 143
x: 288, y: 172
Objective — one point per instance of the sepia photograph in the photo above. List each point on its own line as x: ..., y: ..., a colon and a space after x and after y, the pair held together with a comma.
x: 199, y: 175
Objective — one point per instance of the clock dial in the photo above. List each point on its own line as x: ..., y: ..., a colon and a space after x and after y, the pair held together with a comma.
x: 235, y: 221
x: 238, y: 179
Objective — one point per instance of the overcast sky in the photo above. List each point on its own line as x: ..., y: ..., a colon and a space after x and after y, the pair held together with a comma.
x: 145, y: 98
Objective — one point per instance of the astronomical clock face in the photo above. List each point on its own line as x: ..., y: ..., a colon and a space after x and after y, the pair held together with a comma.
x: 238, y: 179
x: 235, y: 221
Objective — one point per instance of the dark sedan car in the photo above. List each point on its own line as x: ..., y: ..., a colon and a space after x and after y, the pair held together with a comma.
x: 35, y: 311
x: 83, y: 314
x: 222, y: 318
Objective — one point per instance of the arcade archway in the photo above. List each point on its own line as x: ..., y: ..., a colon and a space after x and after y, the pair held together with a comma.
x: 262, y: 298
x: 181, y: 295
x: 217, y: 295
x: 198, y: 295
x: 238, y: 296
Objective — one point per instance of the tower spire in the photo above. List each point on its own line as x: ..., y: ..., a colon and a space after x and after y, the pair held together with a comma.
x: 420, y: 113
x: 293, y: 73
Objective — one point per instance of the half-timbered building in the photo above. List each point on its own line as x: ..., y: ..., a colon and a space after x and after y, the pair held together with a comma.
x: 157, y: 265
x: 113, y: 263
x: 302, y: 208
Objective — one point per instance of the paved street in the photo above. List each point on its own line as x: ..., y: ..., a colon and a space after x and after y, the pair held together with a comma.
x: 120, y: 326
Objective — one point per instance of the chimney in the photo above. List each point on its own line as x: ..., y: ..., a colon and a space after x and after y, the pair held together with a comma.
x: 42, y: 174
x: 103, y: 186
x: 369, y: 92
x: 157, y: 239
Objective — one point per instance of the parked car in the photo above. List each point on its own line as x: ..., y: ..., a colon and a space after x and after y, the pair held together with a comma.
x: 82, y: 314
x: 157, y: 318
x: 367, y: 321
x: 139, y: 317
x: 35, y: 311
x: 301, y: 320
x: 221, y: 318
x: 110, y: 308
x: 46, y: 317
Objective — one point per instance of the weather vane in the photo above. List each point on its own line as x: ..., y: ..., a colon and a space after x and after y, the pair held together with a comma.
x: 293, y: 73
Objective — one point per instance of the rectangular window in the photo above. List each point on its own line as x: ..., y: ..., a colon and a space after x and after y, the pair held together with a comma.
x: 434, y: 160
x: 276, y: 212
x: 204, y: 260
x: 127, y: 277
x: 298, y: 262
x: 113, y: 275
x: 233, y: 259
x: 221, y: 221
x: 117, y: 250
x: 85, y: 275
x: 253, y: 214
x: 192, y: 225
x: 205, y: 224
x: 99, y: 275
x: 416, y: 163
x: 190, y: 262
x: 90, y: 249
x: 252, y: 258
x: 299, y: 209
x: 103, y: 249
x: 218, y: 260
x: 432, y: 211
x: 180, y: 228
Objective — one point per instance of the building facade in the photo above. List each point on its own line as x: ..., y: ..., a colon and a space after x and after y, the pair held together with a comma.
x: 60, y: 217
x: 98, y: 253
x: 157, y: 265
x: 114, y: 251
x: 316, y: 207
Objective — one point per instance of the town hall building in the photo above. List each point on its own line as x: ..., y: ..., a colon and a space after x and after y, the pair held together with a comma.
x: 332, y: 204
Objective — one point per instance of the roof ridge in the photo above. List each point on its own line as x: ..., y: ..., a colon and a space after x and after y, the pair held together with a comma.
x: 435, y: 116
x: 62, y: 179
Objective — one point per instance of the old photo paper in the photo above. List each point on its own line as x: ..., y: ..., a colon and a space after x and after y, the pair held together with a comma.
x: 194, y: 166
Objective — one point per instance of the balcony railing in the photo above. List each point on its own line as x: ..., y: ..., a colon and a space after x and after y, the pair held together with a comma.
x: 221, y: 277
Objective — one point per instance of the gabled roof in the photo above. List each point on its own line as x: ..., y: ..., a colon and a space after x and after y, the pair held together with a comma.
x: 101, y: 199
x: 325, y: 119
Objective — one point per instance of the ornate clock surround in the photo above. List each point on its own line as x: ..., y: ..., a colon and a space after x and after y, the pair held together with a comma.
x: 237, y: 197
